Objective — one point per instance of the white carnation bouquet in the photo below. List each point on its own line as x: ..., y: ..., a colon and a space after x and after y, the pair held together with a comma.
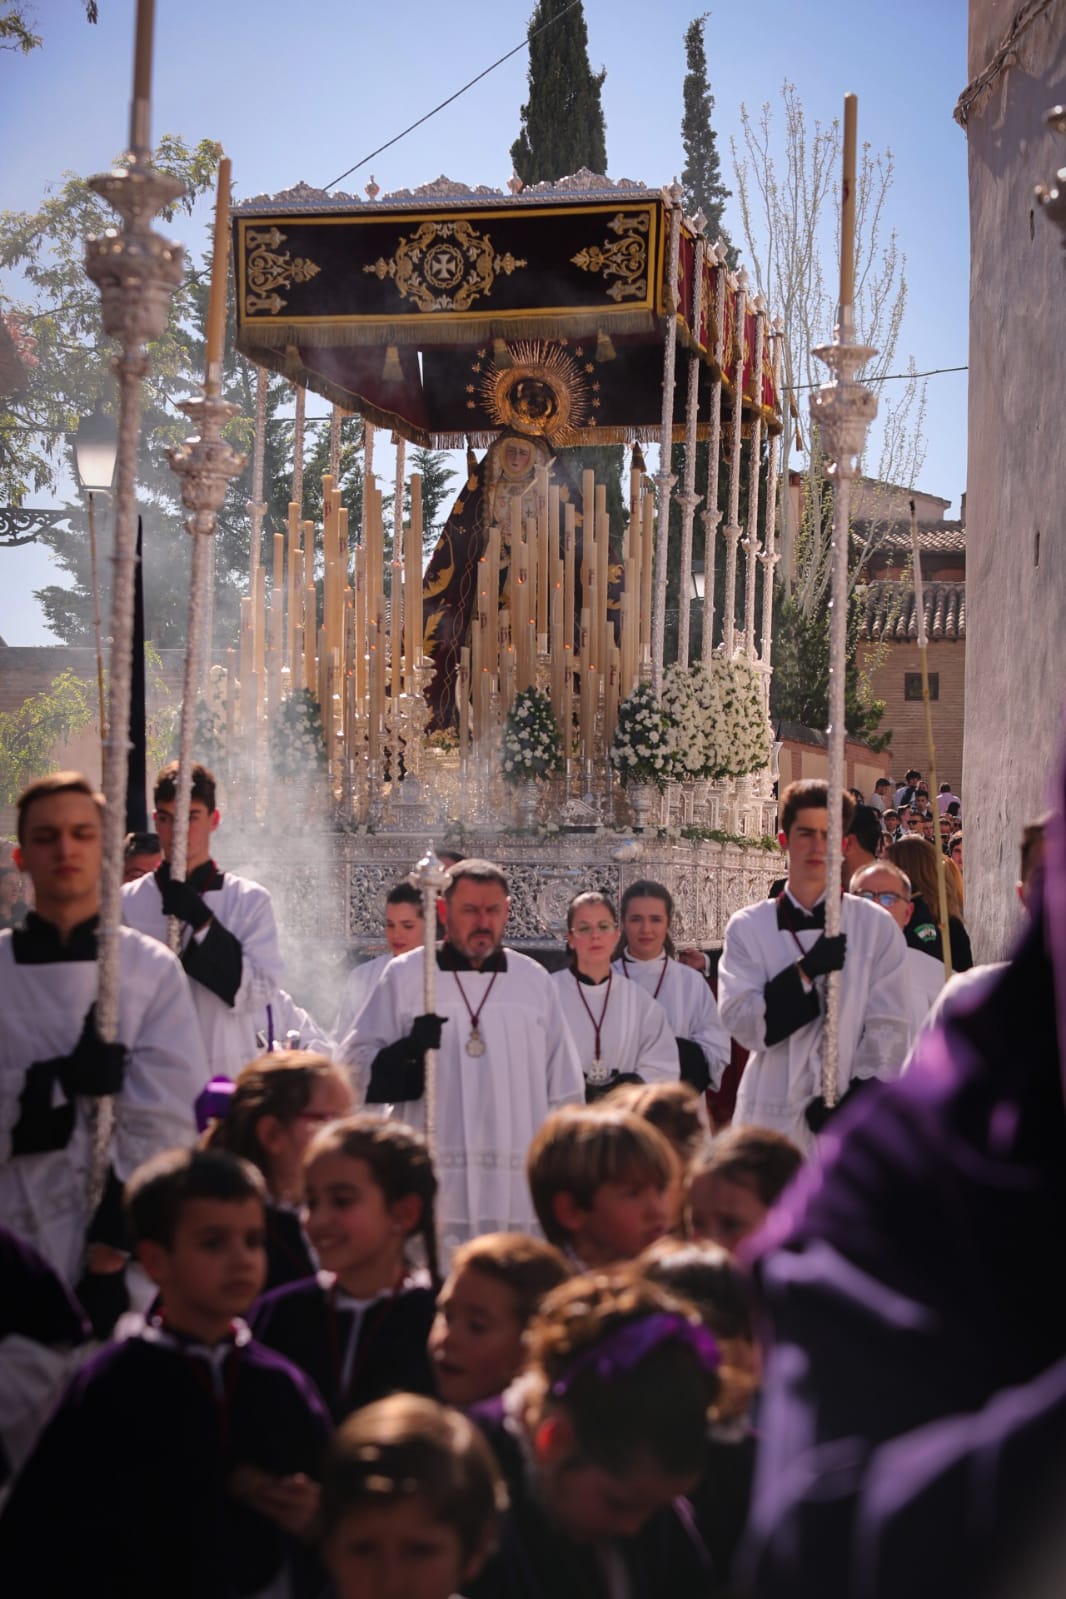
x: 532, y: 745
x: 643, y: 748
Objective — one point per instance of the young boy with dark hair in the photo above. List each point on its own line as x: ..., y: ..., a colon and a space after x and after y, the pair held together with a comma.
x: 600, y: 1181
x: 772, y: 975
x: 183, y: 1459
x: 229, y: 939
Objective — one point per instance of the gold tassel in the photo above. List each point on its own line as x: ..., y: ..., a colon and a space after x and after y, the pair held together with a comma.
x: 637, y: 462
x: 501, y: 355
x: 392, y: 372
x: 605, y: 350
x: 471, y: 458
x: 293, y: 365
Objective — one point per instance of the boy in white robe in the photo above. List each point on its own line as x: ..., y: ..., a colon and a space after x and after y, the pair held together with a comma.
x: 771, y: 983
x: 229, y: 940
x: 53, y: 1061
x: 505, y: 1057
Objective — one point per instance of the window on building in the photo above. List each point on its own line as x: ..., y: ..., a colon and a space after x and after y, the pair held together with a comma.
x: 912, y: 685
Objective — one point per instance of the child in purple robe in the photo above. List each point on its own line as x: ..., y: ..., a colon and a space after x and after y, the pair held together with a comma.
x: 410, y: 1500
x: 359, y: 1328
x: 183, y: 1460
x: 598, y: 1442
x: 268, y: 1116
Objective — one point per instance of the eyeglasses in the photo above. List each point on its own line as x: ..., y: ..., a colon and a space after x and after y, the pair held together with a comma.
x: 885, y: 898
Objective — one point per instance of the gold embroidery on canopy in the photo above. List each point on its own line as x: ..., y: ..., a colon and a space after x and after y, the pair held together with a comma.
x: 624, y: 258
x: 269, y: 268
x: 444, y: 266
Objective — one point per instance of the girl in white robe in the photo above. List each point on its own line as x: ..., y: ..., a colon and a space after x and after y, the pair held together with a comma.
x: 646, y: 958
x: 621, y: 1033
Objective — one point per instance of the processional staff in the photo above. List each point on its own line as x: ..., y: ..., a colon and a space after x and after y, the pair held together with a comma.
x: 136, y: 271
x: 842, y: 410
x: 430, y: 877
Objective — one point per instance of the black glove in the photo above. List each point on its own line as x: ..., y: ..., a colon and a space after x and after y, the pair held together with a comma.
x: 181, y: 900
x: 595, y: 1091
x: 398, y: 1073
x: 825, y: 956
x: 42, y: 1126
x: 818, y: 1113
x: 425, y: 1032
x: 694, y: 1068
x: 93, y: 1068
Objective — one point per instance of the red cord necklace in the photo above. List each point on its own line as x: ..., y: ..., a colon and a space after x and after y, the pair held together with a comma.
x: 598, y: 1073
x: 475, y: 1044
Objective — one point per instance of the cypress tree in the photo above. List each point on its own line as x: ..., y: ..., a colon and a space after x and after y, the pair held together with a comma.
x: 701, y: 176
x: 562, y: 121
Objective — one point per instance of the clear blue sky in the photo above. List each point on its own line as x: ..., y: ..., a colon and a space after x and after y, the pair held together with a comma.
x: 303, y: 92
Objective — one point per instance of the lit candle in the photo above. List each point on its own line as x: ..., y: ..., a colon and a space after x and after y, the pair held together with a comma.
x: 216, y: 305
x: 847, y: 204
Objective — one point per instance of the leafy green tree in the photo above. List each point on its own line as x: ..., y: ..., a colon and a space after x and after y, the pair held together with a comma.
x: 436, y: 498
x: 701, y: 176
x: 29, y: 735
x: 562, y: 121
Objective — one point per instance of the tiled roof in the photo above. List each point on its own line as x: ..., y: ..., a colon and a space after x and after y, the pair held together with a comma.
x: 936, y: 538
x: 890, y: 616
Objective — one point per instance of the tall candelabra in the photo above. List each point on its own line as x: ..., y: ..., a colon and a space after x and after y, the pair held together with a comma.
x: 842, y: 410
x: 204, y: 464
x: 136, y: 270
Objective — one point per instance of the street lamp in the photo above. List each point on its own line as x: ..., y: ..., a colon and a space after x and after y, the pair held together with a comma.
x: 95, y: 451
x: 95, y: 446
x: 698, y: 582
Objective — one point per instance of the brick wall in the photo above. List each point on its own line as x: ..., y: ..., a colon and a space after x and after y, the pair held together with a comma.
x: 906, y: 718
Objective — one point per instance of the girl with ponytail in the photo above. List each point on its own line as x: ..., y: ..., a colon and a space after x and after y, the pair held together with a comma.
x: 359, y: 1329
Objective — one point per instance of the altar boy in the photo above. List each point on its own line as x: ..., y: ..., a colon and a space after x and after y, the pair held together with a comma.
x: 772, y: 979
x: 183, y: 1459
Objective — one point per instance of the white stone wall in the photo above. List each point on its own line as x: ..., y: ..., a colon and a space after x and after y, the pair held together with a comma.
x: 1016, y: 559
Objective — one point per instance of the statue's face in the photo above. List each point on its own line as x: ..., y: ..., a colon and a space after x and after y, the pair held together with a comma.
x: 517, y: 458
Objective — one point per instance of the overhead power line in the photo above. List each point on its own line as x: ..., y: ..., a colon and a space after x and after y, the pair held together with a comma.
x: 452, y: 97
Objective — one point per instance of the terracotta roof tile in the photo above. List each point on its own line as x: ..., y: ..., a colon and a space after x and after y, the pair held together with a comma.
x: 936, y: 538
x: 889, y: 614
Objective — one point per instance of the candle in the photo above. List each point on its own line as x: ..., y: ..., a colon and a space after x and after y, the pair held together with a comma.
x: 569, y: 580
x: 464, y: 702
x: 544, y: 545
x: 142, y: 75
x: 216, y: 305
x: 492, y: 599
x: 412, y: 579
x: 847, y: 205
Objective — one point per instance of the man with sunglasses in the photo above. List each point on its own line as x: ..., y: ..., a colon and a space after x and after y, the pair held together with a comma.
x: 886, y: 885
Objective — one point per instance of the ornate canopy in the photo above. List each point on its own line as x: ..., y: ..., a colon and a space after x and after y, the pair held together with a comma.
x: 447, y: 313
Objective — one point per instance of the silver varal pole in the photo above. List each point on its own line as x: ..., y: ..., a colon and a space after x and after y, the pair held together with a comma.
x: 688, y: 499
x: 205, y: 465
x: 136, y: 270
x: 841, y: 410
x: 712, y: 511
x: 431, y: 878
x: 733, y: 529
x: 664, y: 478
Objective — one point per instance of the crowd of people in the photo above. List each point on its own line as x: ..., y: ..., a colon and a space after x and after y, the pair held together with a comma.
x: 487, y: 1300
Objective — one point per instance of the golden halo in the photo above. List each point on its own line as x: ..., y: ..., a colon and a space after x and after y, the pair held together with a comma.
x: 543, y: 392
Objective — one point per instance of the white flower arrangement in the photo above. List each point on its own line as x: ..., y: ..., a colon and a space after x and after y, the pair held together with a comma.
x: 643, y: 748
x: 532, y: 745
x: 739, y: 741
x: 718, y: 724
x: 685, y: 701
x: 297, y: 742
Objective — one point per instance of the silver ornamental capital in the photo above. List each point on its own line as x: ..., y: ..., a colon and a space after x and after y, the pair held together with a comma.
x: 431, y: 874
x: 843, y: 409
x: 206, y: 464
